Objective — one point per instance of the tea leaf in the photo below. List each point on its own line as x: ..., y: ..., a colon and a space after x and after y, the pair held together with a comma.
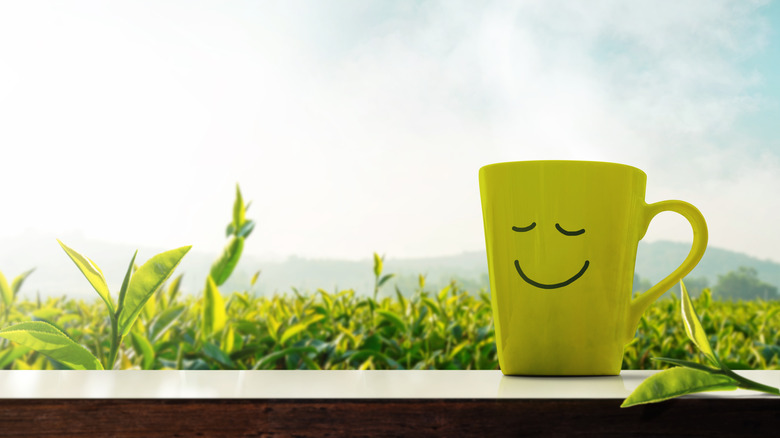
x: 694, y: 329
x: 223, y: 267
x: 229, y: 340
x: 675, y: 382
x: 686, y: 363
x: 10, y: 354
x: 6, y: 291
x: 443, y: 293
x: 254, y: 278
x: 384, y: 279
x: 93, y: 274
x: 145, y: 281
x: 373, y: 355
x: 327, y: 299
x: 377, y: 265
x: 432, y: 305
x: 246, y: 229
x: 299, y: 327
x: 17, y: 283
x: 52, y: 342
x: 292, y: 331
x: 163, y: 321
x: 213, y: 310
x: 401, y: 300
x: 143, y: 349
x: 239, y: 210
x: 125, y: 283
x: 393, y: 319
x: 275, y: 356
x: 173, y: 289
x: 213, y: 352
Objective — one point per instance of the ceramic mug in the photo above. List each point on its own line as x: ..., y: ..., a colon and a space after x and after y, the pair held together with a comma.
x: 561, y: 239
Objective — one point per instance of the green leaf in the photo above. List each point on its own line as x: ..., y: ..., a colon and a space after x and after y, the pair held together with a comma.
x: 293, y: 330
x: 239, y: 211
x: 143, y: 348
x: 384, y: 279
x: 212, y: 351
x: 326, y: 298
x: 401, y: 299
x: 431, y: 305
x: 246, y: 229
x: 6, y: 291
x: 10, y: 354
x: 686, y: 363
x: 17, y: 283
x: 694, y: 329
x: 276, y: 355
x: 213, y: 310
x: 93, y: 274
x: 223, y: 267
x: 393, y: 319
x: 675, y: 382
x: 374, y: 354
x: 443, y: 293
x: 145, y: 282
x: 125, y: 283
x: 164, y: 321
x: 377, y: 265
x: 254, y: 278
x: 231, y: 229
x: 52, y: 342
x: 173, y: 289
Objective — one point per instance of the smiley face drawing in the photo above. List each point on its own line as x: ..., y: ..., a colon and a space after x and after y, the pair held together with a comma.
x: 534, y: 283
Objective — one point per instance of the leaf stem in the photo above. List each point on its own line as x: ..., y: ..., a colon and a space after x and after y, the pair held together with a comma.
x: 116, y: 339
x: 745, y: 383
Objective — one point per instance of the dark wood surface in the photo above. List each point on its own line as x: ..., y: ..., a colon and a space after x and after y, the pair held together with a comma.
x: 395, y: 417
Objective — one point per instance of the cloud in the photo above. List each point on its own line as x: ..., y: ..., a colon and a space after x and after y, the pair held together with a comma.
x: 361, y: 128
x: 461, y: 85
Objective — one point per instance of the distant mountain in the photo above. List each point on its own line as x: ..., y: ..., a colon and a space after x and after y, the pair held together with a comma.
x: 655, y: 260
x: 56, y: 275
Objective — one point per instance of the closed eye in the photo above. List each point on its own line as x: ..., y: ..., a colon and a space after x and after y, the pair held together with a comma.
x: 569, y: 233
x: 522, y: 229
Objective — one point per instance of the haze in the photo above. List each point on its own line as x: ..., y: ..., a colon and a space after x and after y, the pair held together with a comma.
x: 360, y: 126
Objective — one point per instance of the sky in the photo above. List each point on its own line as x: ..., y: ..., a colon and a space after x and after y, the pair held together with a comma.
x: 360, y: 126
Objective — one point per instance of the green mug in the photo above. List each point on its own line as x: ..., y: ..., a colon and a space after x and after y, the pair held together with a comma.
x: 561, y: 240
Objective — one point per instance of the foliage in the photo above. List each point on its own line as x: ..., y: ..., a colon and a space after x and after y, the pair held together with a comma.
x: 743, y: 284
x: 8, y: 292
x: 691, y: 377
x: 414, y: 328
x: 744, y: 334
x: 448, y: 328
x: 137, y: 288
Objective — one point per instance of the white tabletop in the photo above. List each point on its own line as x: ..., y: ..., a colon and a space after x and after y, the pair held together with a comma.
x: 329, y: 385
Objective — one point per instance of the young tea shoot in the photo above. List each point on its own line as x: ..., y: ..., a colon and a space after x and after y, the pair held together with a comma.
x: 137, y: 288
x: 692, y: 377
x: 213, y: 314
x: 9, y: 292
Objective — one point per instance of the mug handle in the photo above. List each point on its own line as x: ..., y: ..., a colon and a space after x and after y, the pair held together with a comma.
x: 694, y: 216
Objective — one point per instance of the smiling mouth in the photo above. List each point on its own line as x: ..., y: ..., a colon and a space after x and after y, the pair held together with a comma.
x: 551, y: 286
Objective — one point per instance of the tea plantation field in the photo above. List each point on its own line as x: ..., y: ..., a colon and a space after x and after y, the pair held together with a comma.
x: 445, y: 329
x: 149, y: 325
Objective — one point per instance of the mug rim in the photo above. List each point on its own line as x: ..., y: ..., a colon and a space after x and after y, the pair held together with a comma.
x: 586, y: 162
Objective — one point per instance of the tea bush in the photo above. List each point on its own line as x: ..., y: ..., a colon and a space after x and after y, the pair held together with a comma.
x: 449, y: 328
x: 446, y: 329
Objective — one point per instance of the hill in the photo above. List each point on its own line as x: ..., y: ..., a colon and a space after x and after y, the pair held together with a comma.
x: 56, y: 275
